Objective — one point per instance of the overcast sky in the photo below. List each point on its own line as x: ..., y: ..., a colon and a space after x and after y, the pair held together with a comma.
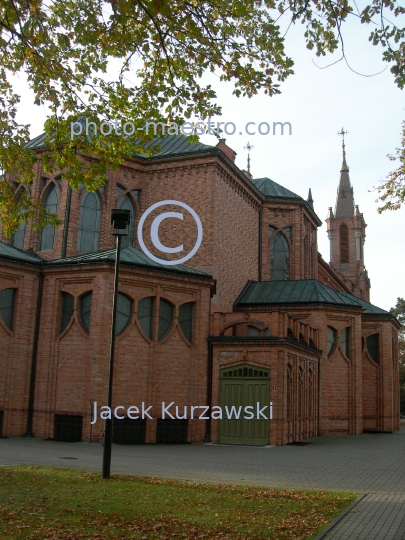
x: 318, y: 103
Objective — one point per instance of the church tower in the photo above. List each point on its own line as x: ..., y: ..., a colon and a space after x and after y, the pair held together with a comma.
x: 347, y: 233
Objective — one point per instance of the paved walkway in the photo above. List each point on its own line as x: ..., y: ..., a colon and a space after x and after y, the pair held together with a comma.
x: 372, y: 464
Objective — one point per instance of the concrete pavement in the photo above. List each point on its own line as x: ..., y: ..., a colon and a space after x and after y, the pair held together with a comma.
x: 372, y: 464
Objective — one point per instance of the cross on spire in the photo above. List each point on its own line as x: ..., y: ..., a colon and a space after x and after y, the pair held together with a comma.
x: 248, y: 147
x: 342, y: 133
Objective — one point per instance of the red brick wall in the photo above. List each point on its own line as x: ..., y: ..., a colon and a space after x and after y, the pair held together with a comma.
x: 73, y: 366
x: 16, y: 347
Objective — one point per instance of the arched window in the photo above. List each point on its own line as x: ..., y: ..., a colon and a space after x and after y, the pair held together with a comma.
x: 7, y: 299
x: 48, y: 232
x: 89, y: 224
x: 85, y: 310
x: 186, y: 320
x: 344, y: 243
x: 17, y: 240
x: 124, y: 310
x: 373, y: 347
x: 280, y: 256
x: 331, y: 338
x: 252, y: 331
x: 145, y: 315
x: 165, y: 318
x: 126, y: 204
x: 67, y: 309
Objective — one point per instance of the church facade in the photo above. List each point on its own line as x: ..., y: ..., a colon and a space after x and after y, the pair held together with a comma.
x: 254, y: 340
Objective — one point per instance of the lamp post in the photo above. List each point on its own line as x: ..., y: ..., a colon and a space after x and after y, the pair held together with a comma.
x: 120, y: 220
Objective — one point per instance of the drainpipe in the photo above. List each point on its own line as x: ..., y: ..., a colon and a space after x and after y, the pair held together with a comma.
x: 66, y: 224
x: 30, y: 417
x: 260, y: 243
x: 207, y: 437
x: 319, y: 396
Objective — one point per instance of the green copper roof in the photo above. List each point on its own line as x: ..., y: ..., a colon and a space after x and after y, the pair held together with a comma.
x: 371, y: 309
x: 38, y: 142
x: 303, y: 291
x: 176, y: 145
x: 271, y: 189
x: 130, y: 256
x: 15, y: 254
x: 171, y: 145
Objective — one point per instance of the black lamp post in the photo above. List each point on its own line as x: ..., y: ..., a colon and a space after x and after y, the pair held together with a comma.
x: 120, y: 220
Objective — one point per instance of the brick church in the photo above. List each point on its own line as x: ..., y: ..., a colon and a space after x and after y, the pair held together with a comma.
x: 255, y: 317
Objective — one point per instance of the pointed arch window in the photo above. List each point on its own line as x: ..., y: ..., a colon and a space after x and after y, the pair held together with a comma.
x: 280, y: 258
x: 345, y: 340
x: 17, y: 240
x: 145, y: 315
x: 89, y: 224
x: 344, y: 243
x: 373, y: 347
x: 85, y: 310
x: 331, y: 340
x: 67, y: 309
x: 165, y: 318
x: 124, y: 310
x: 48, y: 232
x: 186, y: 320
x: 125, y: 203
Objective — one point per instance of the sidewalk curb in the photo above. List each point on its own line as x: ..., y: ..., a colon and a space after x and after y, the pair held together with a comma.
x: 322, y: 534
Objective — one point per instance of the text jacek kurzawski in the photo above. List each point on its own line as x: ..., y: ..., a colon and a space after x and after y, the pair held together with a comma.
x: 192, y: 412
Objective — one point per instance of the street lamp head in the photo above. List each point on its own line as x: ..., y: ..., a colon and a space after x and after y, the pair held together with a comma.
x: 120, y: 218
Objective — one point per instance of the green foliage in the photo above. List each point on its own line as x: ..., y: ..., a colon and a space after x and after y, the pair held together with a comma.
x: 40, y: 503
x: 393, y: 189
x: 399, y: 312
x: 68, y: 50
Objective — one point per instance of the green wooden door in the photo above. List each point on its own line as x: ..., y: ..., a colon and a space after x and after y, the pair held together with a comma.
x: 241, y: 387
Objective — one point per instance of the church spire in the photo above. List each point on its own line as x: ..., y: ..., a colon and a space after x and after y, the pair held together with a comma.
x: 344, y: 200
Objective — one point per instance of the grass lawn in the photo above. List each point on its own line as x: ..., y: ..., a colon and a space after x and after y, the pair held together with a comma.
x: 49, y: 503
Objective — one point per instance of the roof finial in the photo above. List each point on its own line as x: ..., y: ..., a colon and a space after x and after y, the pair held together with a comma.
x: 310, y: 200
x: 342, y: 132
x: 248, y: 147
